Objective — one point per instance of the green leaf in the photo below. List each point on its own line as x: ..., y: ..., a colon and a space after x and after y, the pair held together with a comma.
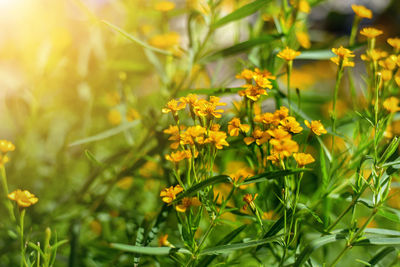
x: 241, y: 47
x: 148, y: 250
x: 390, y: 150
x: 391, y: 214
x: 315, y: 244
x: 210, y: 91
x: 232, y: 247
x: 105, y: 134
x: 324, y: 171
x: 380, y: 255
x: 378, y: 241
x: 316, y: 54
x: 271, y: 175
x: 380, y: 231
x: 226, y: 240
x: 394, y: 164
x: 92, y: 157
x: 134, y: 39
x: 211, y: 181
x: 240, y: 13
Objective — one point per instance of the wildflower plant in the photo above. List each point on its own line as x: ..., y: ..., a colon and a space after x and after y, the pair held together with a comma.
x: 199, y: 134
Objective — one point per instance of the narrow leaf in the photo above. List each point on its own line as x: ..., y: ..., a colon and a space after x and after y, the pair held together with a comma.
x: 148, y: 250
x: 271, y: 175
x: 378, y: 241
x: 381, y: 255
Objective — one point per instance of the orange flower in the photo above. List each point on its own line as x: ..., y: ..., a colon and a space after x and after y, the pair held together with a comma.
x: 249, y: 199
x: 24, y: 198
x: 303, y: 39
x: 258, y: 136
x: 165, y: 41
x: 303, y: 159
x: 391, y: 104
x: 163, y: 241
x: 280, y: 114
x: 284, y: 147
x: 245, y: 74
x: 217, y: 138
x: 241, y: 175
x: 394, y: 42
x: 267, y: 119
x: 370, y: 32
x: 169, y: 194
x: 291, y: 125
x: 209, y: 109
x: 188, y: 202
x: 278, y: 134
x: 362, y: 11
x: 343, y: 55
x: 252, y: 92
x: 177, y: 156
x: 288, y: 54
x: 175, y: 136
x: 234, y: 126
x: 316, y: 127
x: 193, y: 134
x: 173, y: 106
x: 374, y: 55
x: 6, y: 146
x: 262, y: 78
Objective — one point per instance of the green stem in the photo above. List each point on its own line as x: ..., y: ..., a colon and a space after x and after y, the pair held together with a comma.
x: 21, y: 234
x: 335, y: 96
x: 289, y: 73
x: 7, y: 202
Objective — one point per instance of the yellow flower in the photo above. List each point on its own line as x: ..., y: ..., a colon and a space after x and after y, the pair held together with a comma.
x: 163, y: 241
x: 288, y: 54
x: 190, y: 99
x: 175, y: 135
x: 3, y: 159
x: 217, y: 138
x: 114, y: 117
x: 343, y: 55
x: 304, y: 6
x: 303, y: 39
x: 316, y: 127
x: 280, y: 114
x: 252, y: 92
x: 389, y: 63
x: 132, y: 114
x: 394, y: 42
x: 177, y: 156
x: 362, y: 11
x: 169, y: 194
x: 245, y: 74
x: 374, y: 55
x: 284, y: 147
x: 249, y: 199
x: 266, y: 118
x: 241, y: 175
x: 234, y: 126
x: 113, y: 98
x: 274, y: 158
x: 188, y: 202
x: 278, y: 134
x: 263, y: 77
x: 165, y: 41
x: 303, y: 159
x: 24, y: 198
x: 386, y: 75
x: 209, y: 109
x: 370, y: 32
x: 391, y: 104
x: 164, y: 6
x: 173, y: 106
x: 125, y: 182
x: 6, y: 146
x: 291, y: 125
x: 193, y: 134
x: 259, y: 136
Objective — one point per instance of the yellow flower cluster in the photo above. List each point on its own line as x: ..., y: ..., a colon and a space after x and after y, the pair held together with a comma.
x: 5, y: 147
x: 288, y: 54
x: 257, y: 82
x: 169, y: 194
x: 23, y: 198
x: 342, y: 57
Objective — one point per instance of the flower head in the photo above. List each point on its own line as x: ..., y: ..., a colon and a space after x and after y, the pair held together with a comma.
x: 245, y: 74
x: 173, y: 106
x: 114, y: 117
x: 303, y: 39
x: 291, y: 125
x: 193, y: 134
x: 234, y: 126
x: 163, y: 241
x: 259, y: 136
x: 374, y: 55
x: 252, y: 92
x: 241, y: 175
x: 188, y: 202
x: 169, y: 194
x: 288, y: 54
x: 24, y: 198
x: 174, y: 131
x: 6, y: 146
x: 370, y: 32
x: 391, y: 104
x: 217, y: 138
x: 303, y: 159
x: 164, y: 6
x: 394, y: 42
x: 316, y: 127
x: 362, y: 11
x: 165, y: 41
x: 249, y: 199
x: 209, y: 109
x: 177, y: 156
x: 343, y: 55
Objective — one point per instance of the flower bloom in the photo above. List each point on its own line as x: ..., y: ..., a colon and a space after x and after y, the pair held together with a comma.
x: 362, y: 11
x: 374, y: 55
x: 284, y: 148
x: 343, y: 55
x: 163, y: 241
x: 217, y: 138
x: 370, y: 32
x: 193, y: 134
x: 177, y: 156
x: 169, y: 194
x: 394, y: 42
x: 316, y: 127
x: 303, y: 159
x: 165, y: 41
x: 188, y: 202
x: 259, y: 136
x: 173, y: 130
x: 234, y: 126
x: 164, y: 6
x: 288, y: 54
x: 114, y: 117
x: 24, y: 198
x: 249, y: 199
x: 303, y: 39
x: 391, y: 104
x: 245, y: 74
x: 6, y: 146
x: 209, y: 109
x: 252, y: 92
x: 173, y: 106
x: 291, y: 125
x: 241, y: 175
